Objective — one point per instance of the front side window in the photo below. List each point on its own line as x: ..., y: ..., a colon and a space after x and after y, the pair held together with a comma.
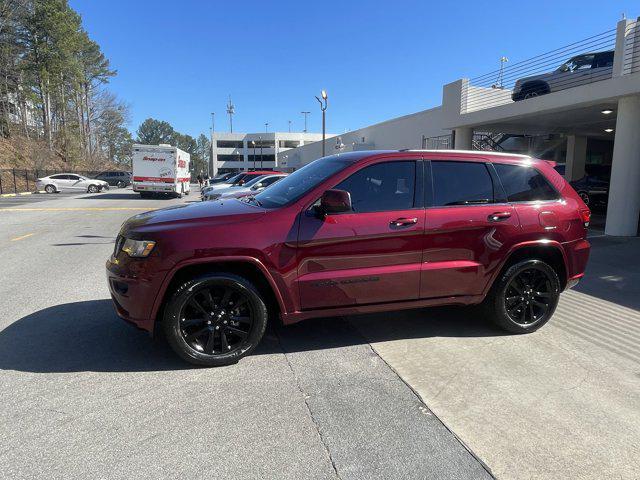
x: 382, y: 187
x: 582, y: 62
x: 524, y: 184
x: 461, y: 183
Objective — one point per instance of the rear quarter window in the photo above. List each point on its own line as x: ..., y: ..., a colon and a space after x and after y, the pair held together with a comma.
x: 525, y: 184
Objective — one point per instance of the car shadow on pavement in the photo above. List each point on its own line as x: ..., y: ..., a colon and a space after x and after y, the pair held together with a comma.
x: 81, y: 336
x: 88, y: 336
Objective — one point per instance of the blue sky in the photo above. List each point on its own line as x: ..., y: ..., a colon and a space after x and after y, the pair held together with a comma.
x: 179, y: 60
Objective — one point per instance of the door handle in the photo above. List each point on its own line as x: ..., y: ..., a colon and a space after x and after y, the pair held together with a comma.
x: 402, y: 222
x: 498, y: 216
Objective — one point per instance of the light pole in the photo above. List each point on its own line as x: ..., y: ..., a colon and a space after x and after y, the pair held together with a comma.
x: 289, y: 126
x: 323, y: 107
x: 260, y: 140
x: 266, y: 127
x: 253, y: 143
x: 305, y: 120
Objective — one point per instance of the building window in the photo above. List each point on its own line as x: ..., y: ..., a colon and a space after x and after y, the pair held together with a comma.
x: 230, y: 158
x: 288, y: 143
x: 264, y: 143
x: 229, y: 144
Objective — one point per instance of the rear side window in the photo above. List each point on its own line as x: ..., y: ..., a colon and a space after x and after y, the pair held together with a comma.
x: 524, y: 184
x: 461, y: 183
x: 382, y: 187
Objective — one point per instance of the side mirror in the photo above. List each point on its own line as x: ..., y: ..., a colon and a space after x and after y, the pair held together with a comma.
x: 335, y: 201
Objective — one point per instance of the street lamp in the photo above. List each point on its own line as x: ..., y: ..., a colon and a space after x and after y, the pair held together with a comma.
x: 323, y: 107
x: 289, y: 126
x: 266, y: 127
x: 253, y: 143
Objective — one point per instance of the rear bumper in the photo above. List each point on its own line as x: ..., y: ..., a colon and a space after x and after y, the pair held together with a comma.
x: 577, y: 254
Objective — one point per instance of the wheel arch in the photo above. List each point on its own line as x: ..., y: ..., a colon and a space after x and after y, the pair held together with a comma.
x: 246, y: 267
x: 551, y: 253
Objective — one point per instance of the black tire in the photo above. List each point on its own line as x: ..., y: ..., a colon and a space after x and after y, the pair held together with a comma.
x: 93, y: 189
x: 585, y: 198
x: 523, y: 288
x: 121, y: 184
x: 200, y: 318
x: 50, y: 189
x: 534, y: 90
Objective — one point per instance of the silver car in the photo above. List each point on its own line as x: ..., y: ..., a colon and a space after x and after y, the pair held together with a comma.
x: 70, y: 182
x: 252, y: 187
x: 578, y: 70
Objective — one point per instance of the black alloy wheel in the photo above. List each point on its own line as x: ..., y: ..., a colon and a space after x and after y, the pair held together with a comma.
x: 528, y: 296
x: 524, y: 297
x: 215, y: 319
x: 120, y: 184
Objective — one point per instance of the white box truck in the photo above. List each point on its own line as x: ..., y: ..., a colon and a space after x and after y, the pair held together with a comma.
x: 160, y: 169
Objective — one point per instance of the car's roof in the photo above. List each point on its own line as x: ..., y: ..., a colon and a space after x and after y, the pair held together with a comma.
x: 451, y: 154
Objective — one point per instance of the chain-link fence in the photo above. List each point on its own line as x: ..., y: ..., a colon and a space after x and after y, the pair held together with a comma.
x: 17, y: 180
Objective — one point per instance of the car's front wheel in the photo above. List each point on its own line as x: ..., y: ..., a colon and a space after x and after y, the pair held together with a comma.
x: 121, y: 184
x: 214, y: 319
x: 524, y: 297
x: 50, y: 189
x: 93, y: 189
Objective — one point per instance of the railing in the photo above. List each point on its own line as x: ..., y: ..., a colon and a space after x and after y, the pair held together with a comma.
x: 631, y: 61
x: 441, y: 142
x: 487, y: 142
x: 552, y: 71
x: 19, y: 180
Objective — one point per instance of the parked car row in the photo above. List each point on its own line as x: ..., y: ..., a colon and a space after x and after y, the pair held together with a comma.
x: 254, y: 185
x: 593, y: 187
x: 354, y: 233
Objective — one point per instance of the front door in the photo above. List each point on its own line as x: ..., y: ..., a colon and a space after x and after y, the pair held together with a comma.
x: 371, y: 254
x: 469, y: 228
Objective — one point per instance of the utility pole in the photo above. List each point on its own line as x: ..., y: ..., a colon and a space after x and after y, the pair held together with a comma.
x: 231, y: 110
x: 323, y: 107
x: 305, y: 120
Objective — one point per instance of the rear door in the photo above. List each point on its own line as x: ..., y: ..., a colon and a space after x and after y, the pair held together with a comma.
x: 469, y: 228
x: 77, y: 183
x: 373, y: 253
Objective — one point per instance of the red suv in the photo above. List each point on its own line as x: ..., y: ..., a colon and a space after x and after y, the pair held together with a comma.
x: 354, y: 233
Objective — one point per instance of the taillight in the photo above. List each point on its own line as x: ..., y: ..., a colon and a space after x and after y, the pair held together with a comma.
x: 585, y: 215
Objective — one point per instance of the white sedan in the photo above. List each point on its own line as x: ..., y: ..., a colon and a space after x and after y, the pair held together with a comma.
x: 70, y: 182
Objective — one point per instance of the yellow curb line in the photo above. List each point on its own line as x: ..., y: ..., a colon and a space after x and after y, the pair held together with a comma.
x: 74, y: 209
x: 16, y: 194
x: 22, y: 237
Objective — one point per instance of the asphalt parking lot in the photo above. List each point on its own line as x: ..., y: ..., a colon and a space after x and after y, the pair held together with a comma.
x: 424, y: 394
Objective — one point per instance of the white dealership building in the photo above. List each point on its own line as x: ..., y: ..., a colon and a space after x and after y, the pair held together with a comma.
x: 580, y: 113
x: 253, y: 151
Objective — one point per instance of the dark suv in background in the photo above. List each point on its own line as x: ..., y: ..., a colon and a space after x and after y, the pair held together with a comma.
x: 354, y: 233
x: 115, y: 179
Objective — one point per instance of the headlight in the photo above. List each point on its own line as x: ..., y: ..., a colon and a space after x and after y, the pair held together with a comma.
x: 138, y: 248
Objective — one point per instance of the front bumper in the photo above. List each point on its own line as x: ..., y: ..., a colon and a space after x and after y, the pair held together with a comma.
x: 134, y: 285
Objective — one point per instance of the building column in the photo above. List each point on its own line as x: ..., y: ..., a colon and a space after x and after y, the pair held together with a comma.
x: 624, y: 190
x: 214, y: 157
x: 463, y: 138
x: 576, y: 157
x: 245, y: 155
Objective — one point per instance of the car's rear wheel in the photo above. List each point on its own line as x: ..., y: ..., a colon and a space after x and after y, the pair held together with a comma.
x: 215, y: 319
x: 50, y: 189
x: 93, y: 189
x: 121, y: 184
x: 585, y: 198
x: 524, y: 297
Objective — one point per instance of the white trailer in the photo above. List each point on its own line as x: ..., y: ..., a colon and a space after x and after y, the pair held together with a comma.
x: 161, y: 169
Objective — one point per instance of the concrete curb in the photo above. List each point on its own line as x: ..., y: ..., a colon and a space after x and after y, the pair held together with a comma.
x: 4, y: 195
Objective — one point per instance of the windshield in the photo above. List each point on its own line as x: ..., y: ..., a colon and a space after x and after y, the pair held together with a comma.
x: 294, y: 186
x: 253, y: 180
x: 235, y: 178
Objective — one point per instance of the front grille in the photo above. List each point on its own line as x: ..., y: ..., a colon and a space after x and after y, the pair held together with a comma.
x: 118, y: 246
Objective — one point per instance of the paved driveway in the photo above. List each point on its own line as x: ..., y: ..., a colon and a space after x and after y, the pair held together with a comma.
x: 563, y: 402
x: 83, y: 395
